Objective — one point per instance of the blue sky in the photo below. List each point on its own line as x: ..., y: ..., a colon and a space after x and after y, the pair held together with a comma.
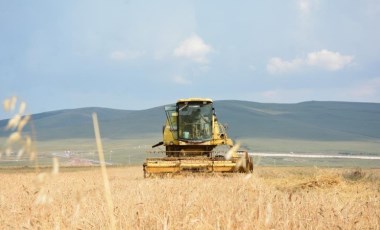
x: 129, y: 54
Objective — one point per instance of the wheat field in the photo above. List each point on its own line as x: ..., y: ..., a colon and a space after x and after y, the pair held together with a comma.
x: 120, y: 198
x: 270, y: 198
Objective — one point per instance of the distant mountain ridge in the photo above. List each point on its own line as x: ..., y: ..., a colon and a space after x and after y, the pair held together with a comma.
x: 312, y: 120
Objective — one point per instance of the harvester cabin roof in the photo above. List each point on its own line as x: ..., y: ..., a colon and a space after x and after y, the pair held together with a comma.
x: 195, y: 99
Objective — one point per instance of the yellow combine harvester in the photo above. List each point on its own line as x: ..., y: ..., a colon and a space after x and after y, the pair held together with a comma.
x: 190, y: 134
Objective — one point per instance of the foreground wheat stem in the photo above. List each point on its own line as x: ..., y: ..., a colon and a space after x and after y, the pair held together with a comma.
x: 104, y: 170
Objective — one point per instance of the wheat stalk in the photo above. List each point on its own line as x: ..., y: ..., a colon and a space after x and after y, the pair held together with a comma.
x: 104, y: 170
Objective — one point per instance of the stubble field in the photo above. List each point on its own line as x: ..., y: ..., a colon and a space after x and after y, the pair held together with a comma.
x: 270, y: 198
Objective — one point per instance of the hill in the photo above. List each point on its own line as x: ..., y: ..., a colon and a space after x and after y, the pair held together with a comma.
x: 322, y: 121
x: 307, y: 120
x: 77, y: 123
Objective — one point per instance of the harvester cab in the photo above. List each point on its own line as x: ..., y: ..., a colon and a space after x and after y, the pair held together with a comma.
x: 190, y: 134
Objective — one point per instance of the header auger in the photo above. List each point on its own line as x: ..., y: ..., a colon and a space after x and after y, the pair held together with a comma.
x: 190, y: 135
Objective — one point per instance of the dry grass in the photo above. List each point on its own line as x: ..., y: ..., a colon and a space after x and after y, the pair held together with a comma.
x: 280, y: 198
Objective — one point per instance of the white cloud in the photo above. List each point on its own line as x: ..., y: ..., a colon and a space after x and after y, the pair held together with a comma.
x: 305, y: 6
x: 277, y: 65
x: 328, y: 60
x: 181, y: 80
x: 120, y: 55
x: 324, y: 59
x: 193, y: 48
